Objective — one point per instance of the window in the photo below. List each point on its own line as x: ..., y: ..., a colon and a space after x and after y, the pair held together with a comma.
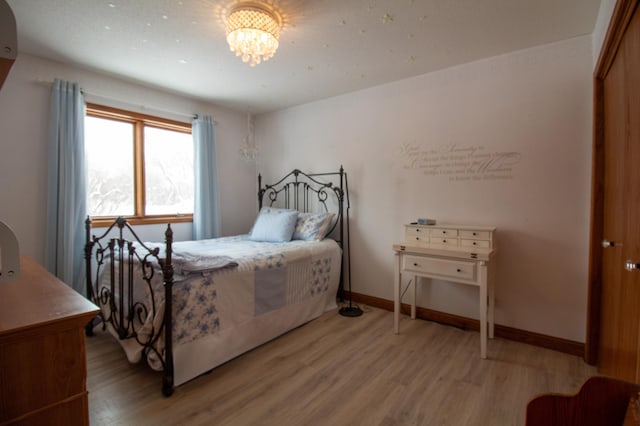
x: 138, y: 166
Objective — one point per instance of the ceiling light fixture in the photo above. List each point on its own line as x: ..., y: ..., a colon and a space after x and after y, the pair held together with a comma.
x: 253, y: 30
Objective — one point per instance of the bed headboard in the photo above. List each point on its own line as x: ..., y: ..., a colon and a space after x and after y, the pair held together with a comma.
x: 311, y: 192
x: 315, y: 192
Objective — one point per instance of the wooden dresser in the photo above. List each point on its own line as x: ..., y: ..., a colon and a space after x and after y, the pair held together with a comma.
x: 43, y: 365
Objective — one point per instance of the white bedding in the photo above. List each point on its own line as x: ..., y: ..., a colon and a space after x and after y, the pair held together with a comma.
x: 249, y: 293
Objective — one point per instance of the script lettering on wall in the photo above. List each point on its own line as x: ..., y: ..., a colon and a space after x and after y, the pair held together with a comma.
x: 458, y: 162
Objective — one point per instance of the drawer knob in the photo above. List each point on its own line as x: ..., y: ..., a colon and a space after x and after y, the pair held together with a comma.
x: 475, y: 234
x: 444, y: 241
x: 415, y: 264
x: 458, y: 270
x: 474, y: 243
x: 417, y: 238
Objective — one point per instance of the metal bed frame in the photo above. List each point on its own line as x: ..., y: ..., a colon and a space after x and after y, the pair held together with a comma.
x: 127, y: 256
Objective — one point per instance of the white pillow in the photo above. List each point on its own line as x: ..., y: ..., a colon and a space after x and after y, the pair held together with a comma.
x: 274, y: 225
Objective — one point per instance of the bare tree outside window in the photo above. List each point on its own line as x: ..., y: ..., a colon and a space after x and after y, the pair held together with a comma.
x: 138, y: 166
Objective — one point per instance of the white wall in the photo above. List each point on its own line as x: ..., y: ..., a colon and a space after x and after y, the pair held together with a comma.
x: 24, y: 121
x: 601, y: 27
x: 530, y: 111
x: 533, y: 105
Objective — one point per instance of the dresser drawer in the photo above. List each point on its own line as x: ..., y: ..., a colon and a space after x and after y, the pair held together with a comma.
x: 444, y: 241
x: 417, y: 239
x: 416, y: 230
x: 440, y: 267
x: 475, y: 235
x: 475, y: 243
x: 444, y: 232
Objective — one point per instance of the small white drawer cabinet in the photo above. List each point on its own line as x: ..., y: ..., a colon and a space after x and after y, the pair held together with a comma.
x: 449, y: 236
x: 448, y: 252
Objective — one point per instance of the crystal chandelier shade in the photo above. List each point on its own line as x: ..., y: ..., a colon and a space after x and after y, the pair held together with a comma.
x: 253, y: 32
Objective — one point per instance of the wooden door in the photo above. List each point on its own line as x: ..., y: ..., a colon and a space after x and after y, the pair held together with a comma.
x: 619, y: 331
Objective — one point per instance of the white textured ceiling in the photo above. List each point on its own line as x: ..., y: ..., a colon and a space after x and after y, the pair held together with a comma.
x: 327, y: 47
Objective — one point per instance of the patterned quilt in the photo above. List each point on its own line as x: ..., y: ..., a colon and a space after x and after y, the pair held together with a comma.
x: 283, y: 274
x: 227, y: 282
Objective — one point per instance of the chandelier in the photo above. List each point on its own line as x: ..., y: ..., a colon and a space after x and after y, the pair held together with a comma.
x: 253, y: 31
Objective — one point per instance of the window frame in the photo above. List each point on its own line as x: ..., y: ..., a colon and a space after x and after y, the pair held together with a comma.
x: 139, y: 122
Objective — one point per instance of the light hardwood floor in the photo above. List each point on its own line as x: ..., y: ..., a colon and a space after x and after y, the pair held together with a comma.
x: 341, y: 371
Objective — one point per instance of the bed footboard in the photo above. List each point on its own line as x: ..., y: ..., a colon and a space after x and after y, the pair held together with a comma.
x: 132, y: 284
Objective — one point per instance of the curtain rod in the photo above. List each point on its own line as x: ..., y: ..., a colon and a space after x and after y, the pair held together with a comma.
x: 112, y: 99
x: 143, y: 107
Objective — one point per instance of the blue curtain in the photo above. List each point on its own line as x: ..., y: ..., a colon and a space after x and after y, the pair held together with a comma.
x: 66, y: 201
x: 206, y: 220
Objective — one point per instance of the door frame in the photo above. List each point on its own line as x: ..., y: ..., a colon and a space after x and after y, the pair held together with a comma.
x: 620, y: 18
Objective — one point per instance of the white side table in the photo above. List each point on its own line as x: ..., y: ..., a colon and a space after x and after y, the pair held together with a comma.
x: 456, y: 260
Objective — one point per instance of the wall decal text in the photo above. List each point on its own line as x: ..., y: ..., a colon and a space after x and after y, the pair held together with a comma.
x: 459, y: 162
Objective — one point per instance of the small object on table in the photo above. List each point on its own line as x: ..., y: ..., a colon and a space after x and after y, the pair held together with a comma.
x: 422, y: 221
